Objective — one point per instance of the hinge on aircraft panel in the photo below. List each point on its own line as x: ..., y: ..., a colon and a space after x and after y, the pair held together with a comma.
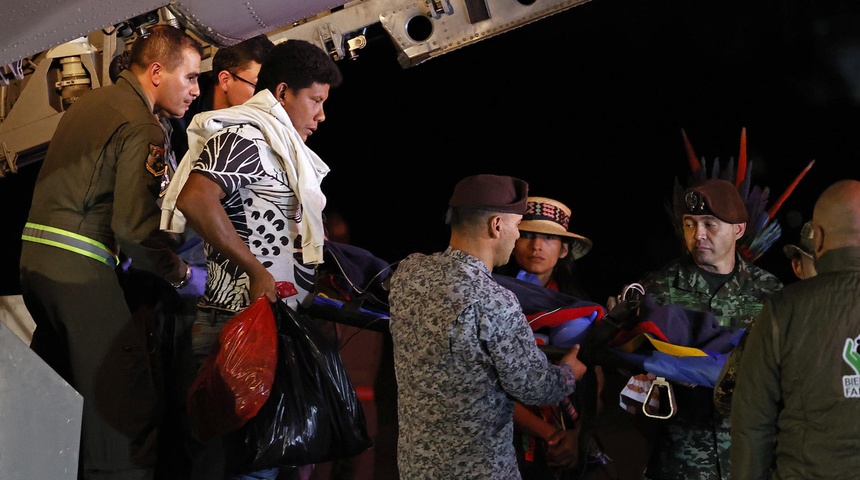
x: 331, y: 40
x: 439, y: 7
x: 8, y: 160
x: 355, y: 43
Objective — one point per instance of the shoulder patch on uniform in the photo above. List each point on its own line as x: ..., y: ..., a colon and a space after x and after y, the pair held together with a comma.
x: 155, y: 163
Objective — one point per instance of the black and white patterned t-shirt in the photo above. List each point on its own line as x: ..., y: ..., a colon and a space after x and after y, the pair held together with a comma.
x: 263, y: 209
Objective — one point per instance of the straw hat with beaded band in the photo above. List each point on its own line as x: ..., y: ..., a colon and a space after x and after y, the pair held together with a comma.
x: 548, y: 216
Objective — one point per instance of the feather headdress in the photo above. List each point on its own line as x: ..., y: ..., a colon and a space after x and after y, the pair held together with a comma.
x: 762, y: 229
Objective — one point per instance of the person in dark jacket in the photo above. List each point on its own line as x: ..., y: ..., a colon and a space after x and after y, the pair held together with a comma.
x: 798, y: 386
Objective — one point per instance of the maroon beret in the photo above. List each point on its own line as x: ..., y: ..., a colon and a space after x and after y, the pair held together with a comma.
x: 716, y: 197
x: 494, y: 193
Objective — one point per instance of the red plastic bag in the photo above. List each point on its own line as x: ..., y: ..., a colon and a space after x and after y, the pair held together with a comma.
x: 236, y: 378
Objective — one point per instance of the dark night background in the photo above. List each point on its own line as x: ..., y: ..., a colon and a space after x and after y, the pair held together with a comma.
x: 587, y: 106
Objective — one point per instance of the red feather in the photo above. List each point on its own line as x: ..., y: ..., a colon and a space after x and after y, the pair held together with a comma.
x: 691, y: 154
x: 772, y: 211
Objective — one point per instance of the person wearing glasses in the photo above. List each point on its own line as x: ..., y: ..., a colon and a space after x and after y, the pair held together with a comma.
x: 235, y: 71
x: 233, y: 77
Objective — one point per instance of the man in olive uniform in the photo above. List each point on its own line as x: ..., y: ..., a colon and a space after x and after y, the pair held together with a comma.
x: 797, y: 397
x: 96, y: 195
x: 711, y: 277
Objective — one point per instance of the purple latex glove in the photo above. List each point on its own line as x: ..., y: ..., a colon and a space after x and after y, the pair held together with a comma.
x: 196, y: 284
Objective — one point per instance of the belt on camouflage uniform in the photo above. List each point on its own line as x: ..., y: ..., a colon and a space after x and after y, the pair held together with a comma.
x: 73, y: 242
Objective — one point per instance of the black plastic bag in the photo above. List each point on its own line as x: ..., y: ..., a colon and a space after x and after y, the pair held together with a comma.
x: 312, y: 415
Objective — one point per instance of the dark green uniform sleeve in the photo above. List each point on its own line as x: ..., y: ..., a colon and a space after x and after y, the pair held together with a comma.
x: 136, y: 214
x: 756, y: 402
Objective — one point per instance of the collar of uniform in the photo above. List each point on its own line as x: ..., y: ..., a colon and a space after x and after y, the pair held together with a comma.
x: 466, y: 258
x: 839, y: 260
x: 691, y: 279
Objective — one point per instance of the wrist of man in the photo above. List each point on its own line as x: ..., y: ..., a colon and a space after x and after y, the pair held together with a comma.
x: 185, y: 279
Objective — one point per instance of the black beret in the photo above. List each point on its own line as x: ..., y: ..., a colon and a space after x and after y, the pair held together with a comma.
x: 716, y: 197
x: 493, y: 193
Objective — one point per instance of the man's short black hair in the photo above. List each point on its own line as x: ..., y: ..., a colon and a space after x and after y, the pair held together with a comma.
x: 299, y: 64
x: 238, y: 56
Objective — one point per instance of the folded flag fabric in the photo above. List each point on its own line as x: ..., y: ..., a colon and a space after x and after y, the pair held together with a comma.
x: 670, y: 341
x: 680, y: 326
x: 569, y: 318
x: 698, y: 370
x: 677, y: 343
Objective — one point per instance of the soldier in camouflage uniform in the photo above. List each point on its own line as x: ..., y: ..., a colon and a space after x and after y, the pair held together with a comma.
x: 712, y: 277
x: 463, y: 350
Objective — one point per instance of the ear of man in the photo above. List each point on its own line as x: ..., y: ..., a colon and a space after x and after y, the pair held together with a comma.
x: 740, y: 229
x: 155, y: 69
x: 495, y: 226
x: 223, y: 78
x: 281, y: 91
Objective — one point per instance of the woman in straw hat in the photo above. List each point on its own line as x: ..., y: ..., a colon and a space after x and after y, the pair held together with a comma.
x: 544, y: 254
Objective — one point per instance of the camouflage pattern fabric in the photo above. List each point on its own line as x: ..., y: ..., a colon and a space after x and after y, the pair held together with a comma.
x: 463, y: 352
x: 736, y: 303
x: 695, y: 443
x: 692, y: 451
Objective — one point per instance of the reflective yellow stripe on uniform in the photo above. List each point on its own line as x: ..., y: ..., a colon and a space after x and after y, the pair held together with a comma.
x: 73, y: 242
